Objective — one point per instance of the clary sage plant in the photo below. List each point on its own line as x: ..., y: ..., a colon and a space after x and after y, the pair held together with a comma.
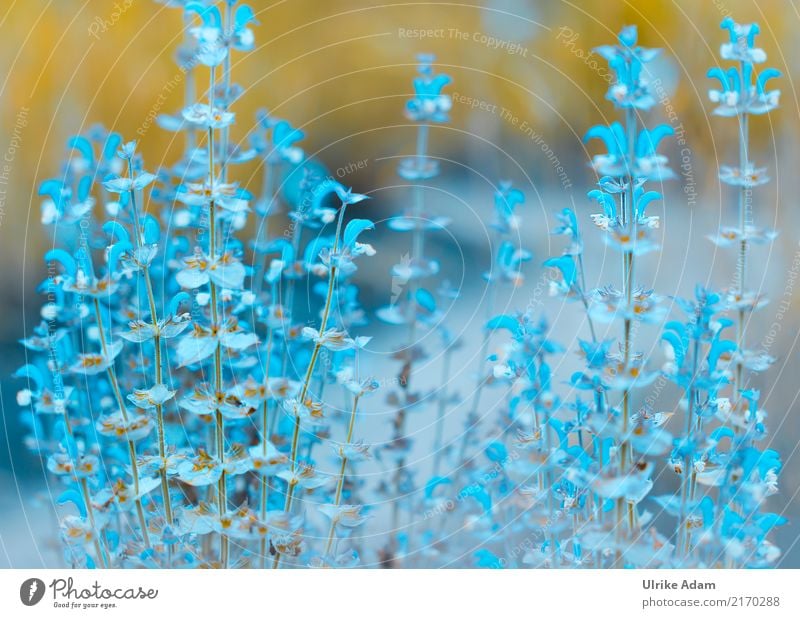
x: 198, y: 380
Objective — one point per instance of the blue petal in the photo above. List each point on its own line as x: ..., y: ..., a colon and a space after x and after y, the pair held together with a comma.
x: 354, y: 228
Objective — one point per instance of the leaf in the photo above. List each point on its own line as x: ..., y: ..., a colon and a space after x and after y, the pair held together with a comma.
x: 117, y: 184
x: 192, y: 349
x: 142, y: 180
x: 228, y: 275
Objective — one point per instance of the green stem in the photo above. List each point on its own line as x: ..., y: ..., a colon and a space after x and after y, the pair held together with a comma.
x: 264, y: 439
x: 312, y: 363
x: 742, y: 261
x: 340, y: 480
x: 162, y: 443
x: 219, y: 426
x: 102, y: 556
x: 112, y: 377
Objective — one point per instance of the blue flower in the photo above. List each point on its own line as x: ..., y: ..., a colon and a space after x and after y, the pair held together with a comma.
x: 429, y: 104
x: 626, y: 60
x: 742, y: 91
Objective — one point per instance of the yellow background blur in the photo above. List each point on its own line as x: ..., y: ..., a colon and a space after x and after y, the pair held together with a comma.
x: 343, y: 67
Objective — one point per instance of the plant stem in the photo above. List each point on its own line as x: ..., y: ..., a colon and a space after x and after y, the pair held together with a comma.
x: 162, y: 444
x: 264, y: 439
x: 741, y: 266
x: 417, y: 253
x: 269, y: 194
x: 297, y: 233
x: 112, y: 377
x: 222, y: 488
x: 584, y: 301
x: 189, y: 96
x: 437, y: 441
x: 481, y: 379
x: 226, y: 86
x: 629, y: 218
x: 312, y: 363
x: 688, y: 472
x: 102, y: 556
x: 340, y: 480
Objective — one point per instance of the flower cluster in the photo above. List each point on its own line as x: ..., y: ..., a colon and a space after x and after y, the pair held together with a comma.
x: 173, y: 393
x: 196, y: 383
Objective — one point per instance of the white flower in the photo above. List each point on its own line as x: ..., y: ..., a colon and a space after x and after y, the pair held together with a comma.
x: 345, y: 515
x: 334, y: 339
x: 152, y: 397
x: 208, y: 117
x: 202, y: 341
x: 224, y: 195
x: 225, y: 271
x: 124, y: 185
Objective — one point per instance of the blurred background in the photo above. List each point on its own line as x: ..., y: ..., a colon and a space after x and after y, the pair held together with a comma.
x: 525, y: 88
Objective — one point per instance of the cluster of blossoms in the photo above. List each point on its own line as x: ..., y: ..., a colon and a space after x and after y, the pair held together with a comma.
x: 195, y: 413
x: 570, y: 475
x: 173, y: 393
